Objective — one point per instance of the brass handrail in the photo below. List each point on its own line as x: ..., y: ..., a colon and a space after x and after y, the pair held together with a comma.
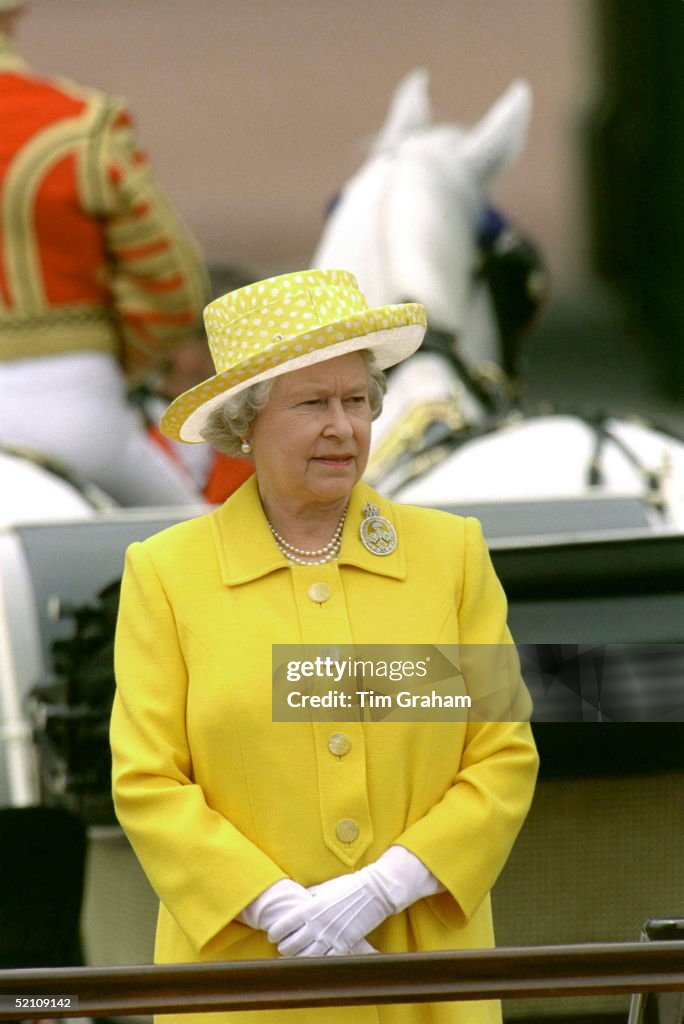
x: 511, y: 973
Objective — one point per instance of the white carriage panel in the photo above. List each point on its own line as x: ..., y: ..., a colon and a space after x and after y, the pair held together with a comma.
x: 21, y: 665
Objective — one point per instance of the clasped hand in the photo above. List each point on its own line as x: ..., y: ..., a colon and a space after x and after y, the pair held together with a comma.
x: 287, y: 900
x: 335, y: 918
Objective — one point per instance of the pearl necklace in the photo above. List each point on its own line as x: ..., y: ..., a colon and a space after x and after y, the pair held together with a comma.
x: 329, y: 552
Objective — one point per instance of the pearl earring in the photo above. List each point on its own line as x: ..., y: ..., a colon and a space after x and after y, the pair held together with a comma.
x: 245, y: 447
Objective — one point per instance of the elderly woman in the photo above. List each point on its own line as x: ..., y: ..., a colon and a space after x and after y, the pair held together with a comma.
x: 308, y: 838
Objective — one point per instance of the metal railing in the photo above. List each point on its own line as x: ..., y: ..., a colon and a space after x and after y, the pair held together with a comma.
x: 511, y: 973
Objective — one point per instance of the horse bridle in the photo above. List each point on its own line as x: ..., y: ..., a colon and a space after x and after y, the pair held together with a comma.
x: 440, y: 434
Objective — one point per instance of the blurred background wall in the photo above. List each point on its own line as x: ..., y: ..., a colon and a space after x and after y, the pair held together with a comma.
x: 256, y: 111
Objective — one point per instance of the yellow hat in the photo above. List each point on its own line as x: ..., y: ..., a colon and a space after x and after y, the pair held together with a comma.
x: 283, y: 324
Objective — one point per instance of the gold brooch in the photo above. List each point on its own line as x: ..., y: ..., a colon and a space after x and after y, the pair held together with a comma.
x: 377, y: 534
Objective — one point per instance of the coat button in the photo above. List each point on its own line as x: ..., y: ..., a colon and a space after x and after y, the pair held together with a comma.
x: 347, y: 830
x: 339, y: 744
x: 319, y: 592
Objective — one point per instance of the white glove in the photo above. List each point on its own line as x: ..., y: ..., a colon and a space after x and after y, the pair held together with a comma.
x: 279, y: 899
x: 346, y: 908
x: 272, y: 903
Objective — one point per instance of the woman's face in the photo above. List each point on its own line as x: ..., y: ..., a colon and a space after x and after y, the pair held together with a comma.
x: 310, y: 442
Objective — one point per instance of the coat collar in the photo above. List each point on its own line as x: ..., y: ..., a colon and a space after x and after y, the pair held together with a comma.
x: 246, y: 548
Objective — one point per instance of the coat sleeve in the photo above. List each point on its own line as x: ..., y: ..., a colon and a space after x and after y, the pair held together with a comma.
x: 466, y: 838
x: 157, y: 276
x: 202, y: 868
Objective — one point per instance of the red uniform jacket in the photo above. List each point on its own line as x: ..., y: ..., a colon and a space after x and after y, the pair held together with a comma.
x: 92, y: 256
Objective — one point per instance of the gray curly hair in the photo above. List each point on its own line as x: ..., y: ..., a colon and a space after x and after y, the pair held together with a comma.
x: 229, y: 422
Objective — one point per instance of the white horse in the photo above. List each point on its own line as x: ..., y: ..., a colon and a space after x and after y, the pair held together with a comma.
x: 406, y: 225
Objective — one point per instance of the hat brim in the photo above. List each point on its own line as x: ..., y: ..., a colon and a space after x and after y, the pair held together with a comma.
x: 392, y: 333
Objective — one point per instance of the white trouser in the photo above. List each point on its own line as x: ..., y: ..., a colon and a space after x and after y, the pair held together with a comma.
x: 73, y: 407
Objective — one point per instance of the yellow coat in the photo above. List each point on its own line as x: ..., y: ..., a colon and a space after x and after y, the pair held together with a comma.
x: 219, y: 801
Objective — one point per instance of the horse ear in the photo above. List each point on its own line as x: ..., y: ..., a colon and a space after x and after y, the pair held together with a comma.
x: 498, y: 138
x: 409, y: 110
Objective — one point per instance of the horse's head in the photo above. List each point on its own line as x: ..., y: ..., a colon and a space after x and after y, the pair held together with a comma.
x: 407, y: 222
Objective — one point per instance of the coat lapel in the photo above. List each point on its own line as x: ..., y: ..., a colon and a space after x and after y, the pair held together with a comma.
x: 354, y: 552
x: 245, y: 546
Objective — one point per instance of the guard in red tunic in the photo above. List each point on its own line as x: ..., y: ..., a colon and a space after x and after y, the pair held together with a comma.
x: 98, y: 280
